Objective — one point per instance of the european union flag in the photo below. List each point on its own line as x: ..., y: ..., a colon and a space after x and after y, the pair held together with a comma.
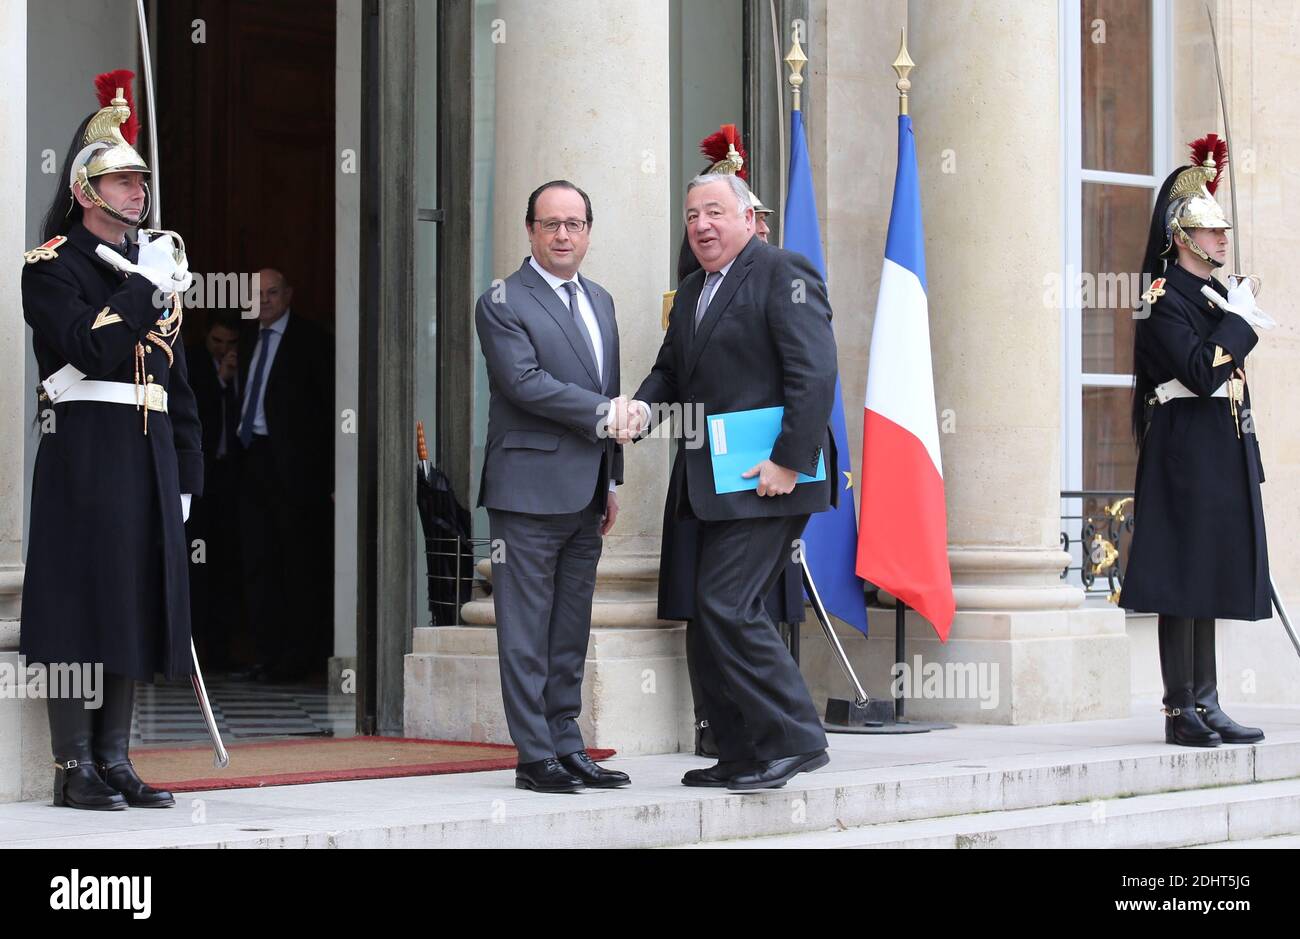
x: 831, y: 538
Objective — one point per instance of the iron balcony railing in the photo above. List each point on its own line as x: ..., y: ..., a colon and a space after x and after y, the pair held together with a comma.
x: 1097, y: 531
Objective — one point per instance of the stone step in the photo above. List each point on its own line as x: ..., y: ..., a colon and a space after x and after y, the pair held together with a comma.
x: 1277, y: 841
x: 927, y: 799
x: 1247, y: 813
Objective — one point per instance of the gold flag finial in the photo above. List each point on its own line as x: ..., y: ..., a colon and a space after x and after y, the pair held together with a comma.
x: 796, y: 60
x: 902, y: 65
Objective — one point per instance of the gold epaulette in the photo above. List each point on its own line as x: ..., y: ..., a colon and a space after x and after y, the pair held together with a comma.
x: 45, y: 252
x: 1155, y: 291
x: 668, y: 307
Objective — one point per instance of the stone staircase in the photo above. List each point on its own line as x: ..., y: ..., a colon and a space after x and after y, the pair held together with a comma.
x: 1099, y: 784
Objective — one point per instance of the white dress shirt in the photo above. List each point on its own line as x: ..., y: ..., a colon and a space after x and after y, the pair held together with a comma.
x: 645, y: 407
x: 585, y: 310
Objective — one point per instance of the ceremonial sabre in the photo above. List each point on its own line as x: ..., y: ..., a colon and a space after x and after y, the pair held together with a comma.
x: 220, y: 758
x: 1236, y: 257
x: 1227, y: 138
x: 155, y: 199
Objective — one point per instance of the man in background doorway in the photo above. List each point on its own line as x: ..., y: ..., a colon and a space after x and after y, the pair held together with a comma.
x: 215, y: 573
x: 286, y: 435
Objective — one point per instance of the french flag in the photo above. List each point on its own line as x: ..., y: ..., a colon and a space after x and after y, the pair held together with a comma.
x: 902, y: 525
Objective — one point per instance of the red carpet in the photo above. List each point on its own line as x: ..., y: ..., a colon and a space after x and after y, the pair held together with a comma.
x: 293, y: 762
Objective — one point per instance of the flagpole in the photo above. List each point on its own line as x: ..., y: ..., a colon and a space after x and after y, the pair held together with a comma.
x: 862, y: 714
x: 892, y: 716
x: 796, y: 61
x: 903, y: 64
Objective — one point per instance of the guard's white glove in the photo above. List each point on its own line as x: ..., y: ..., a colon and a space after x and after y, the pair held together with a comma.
x: 1240, y: 300
x: 186, y: 497
x: 161, y: 252
x: 156, y: 263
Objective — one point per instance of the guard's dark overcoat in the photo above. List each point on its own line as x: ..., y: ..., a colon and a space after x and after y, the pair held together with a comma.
x: 106, y: 578
x: 1199, y: 547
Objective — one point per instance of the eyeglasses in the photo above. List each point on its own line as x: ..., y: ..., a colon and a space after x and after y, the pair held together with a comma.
x: 571, y: 225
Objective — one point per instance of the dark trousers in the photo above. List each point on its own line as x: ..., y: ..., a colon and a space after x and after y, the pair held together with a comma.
x: 216, y: 585
x: 754, y: 695
x: 543, y: 578
x: 288, y: 569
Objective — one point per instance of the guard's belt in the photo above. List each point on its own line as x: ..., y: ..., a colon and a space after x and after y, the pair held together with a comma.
x: 152, y: 396
x: 1173, y: 388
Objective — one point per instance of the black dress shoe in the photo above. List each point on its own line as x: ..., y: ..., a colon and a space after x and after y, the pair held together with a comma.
x: 773, y: 774
x: 249, y: 673
x: 592, y: 773
x: 718, y: 775
x: 546, y: 776
x: 138, y: 793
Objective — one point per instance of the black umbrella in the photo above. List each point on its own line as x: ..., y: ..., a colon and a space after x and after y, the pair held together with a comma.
x: 449, y: 551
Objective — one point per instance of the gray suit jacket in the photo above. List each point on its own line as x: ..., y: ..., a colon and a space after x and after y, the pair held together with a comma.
x: 545, y: 454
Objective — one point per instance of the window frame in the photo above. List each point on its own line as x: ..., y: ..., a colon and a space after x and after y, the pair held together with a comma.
x: 1073, y: 379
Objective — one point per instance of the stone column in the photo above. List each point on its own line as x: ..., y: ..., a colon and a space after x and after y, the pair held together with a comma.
x: 582, y: 93
x: 986, y: 106
x: 24, y: 733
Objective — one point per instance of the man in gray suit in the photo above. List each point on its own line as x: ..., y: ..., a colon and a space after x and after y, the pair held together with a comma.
x: 549, y: 471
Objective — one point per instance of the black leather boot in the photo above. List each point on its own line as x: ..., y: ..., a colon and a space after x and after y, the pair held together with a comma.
x: 1183, y: 725
x: 76, y: 783
x: 706, y: 744
x: 112, y: 737
x: 1206, y: 688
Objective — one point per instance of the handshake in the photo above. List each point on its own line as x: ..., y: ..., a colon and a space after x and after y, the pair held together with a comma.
x: 161, y: 261
x: 626, y: 419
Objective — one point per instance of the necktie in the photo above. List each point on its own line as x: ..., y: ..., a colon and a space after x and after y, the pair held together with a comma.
x: 250, y: 403
x: 582, y: 325
x: 706, y: 296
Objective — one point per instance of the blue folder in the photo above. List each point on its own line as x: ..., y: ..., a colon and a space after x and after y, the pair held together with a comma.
x: 740, y: 440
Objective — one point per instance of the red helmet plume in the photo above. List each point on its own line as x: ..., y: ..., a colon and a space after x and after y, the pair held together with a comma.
x: 1207, y: 146
x: 715, y: 147
x: 106, y: 86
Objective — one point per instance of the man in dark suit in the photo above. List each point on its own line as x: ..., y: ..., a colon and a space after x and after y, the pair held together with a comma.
x: 215, y: 581
x: 551, y: 344
x: 752, y: 329
x: 286, y: 432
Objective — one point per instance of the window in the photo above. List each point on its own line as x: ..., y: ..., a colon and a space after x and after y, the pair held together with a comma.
x: 1116, y: 131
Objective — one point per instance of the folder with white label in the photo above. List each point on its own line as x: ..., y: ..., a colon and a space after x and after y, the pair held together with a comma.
x: 740, y: 440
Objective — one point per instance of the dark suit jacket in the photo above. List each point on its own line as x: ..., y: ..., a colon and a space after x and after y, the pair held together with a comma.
x: 299, y: 405
x: 765, y: 340
x: 207, y: 395
x: 545, y: 454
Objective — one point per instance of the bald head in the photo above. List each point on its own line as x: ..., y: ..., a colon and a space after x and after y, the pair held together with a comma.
x: 274, y: 295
